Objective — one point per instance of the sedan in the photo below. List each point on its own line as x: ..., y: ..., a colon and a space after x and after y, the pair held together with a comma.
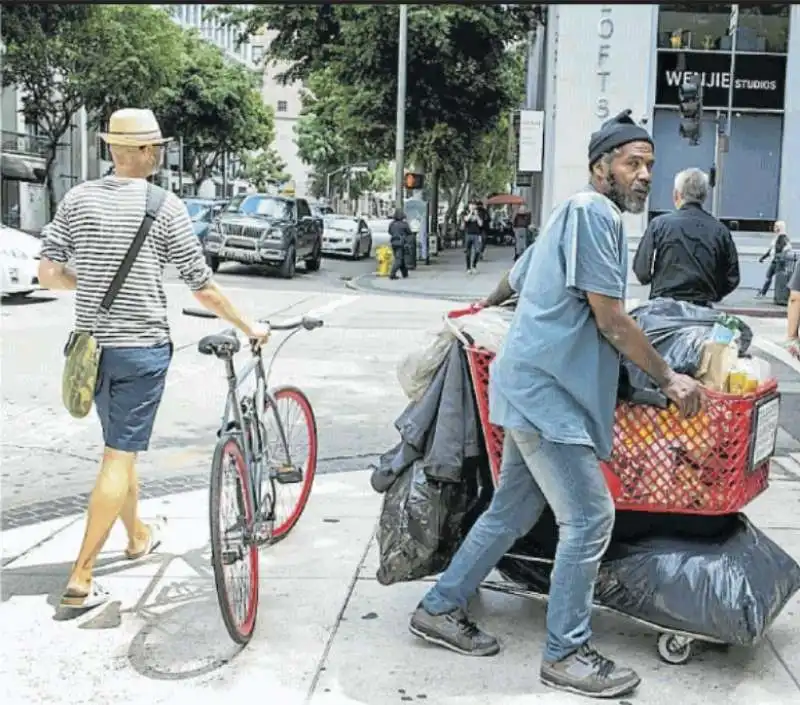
x: 19, y: 262
x: 346, y: 235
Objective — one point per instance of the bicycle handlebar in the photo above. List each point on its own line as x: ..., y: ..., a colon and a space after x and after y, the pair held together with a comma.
x: 307, y: 322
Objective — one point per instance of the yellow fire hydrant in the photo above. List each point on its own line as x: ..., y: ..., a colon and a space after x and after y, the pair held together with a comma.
x: 384, y: 257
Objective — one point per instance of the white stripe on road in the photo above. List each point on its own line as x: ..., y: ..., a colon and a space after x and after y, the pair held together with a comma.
x: 331, y: 306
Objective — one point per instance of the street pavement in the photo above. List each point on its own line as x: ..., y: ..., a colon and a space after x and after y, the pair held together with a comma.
x: 328, y: 633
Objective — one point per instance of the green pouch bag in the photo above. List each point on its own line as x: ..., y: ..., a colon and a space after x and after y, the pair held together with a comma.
x: 82, y: 351
x: 79, y: 380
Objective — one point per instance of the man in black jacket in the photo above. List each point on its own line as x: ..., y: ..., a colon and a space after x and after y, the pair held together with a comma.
x: 399, y: 234
x: 688, y: 254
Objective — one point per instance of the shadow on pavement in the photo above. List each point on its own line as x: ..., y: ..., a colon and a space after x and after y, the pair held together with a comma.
x: 19, y: 300
x: 183, y: 635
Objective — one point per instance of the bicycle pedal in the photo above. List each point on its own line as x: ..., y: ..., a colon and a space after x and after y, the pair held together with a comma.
x: 289, y: 476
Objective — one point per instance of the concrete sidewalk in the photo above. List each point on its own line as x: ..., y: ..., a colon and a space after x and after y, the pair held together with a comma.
x: 445, y: 278
x: 328, y: 633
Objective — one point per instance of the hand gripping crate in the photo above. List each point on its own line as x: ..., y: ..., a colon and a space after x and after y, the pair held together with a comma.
x: 714, y: 463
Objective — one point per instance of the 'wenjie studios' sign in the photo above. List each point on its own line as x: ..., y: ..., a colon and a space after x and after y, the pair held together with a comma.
x: 758, y: 81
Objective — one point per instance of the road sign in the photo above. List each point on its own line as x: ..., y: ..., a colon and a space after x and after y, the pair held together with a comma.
x: 358, y: 170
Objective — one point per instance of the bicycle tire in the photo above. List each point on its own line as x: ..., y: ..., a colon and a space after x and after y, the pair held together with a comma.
x: 242, y: 630
x: 282, y: 529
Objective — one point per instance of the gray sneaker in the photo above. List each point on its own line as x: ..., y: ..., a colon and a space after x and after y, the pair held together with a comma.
x: 454, y: 631
x: 588, y: 673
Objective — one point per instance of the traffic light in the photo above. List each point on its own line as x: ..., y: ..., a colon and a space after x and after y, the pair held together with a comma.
x: 690, y: 100
x: 413, y: 181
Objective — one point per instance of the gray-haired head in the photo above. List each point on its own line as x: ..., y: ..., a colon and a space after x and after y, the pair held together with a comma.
x: 691, y: 186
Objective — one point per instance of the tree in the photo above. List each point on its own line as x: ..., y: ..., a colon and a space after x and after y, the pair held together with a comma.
x: 215, y: 107
x: 64, y: 57
x: 264, y: 168
x: 458, y: 79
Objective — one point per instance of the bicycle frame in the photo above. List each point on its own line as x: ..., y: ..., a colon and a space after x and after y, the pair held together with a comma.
x: 246, y: 422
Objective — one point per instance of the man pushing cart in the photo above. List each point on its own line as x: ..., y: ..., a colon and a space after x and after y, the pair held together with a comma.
x: 553, y: 389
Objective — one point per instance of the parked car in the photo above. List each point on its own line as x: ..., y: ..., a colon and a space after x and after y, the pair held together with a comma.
x: 346, y: 235
x: 259, y: 228
x: 203, y: 211
x: 19, y: 262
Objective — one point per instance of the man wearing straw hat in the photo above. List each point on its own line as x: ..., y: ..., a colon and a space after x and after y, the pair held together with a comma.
x: 93, y: 229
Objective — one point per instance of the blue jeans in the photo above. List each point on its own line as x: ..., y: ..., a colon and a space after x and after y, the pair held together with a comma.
x: 536, y: 472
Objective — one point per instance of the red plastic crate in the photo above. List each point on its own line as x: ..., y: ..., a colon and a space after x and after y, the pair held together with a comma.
x: 714, y: 463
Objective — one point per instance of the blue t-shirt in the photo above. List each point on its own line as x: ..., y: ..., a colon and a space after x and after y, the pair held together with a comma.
x: 555, y: 372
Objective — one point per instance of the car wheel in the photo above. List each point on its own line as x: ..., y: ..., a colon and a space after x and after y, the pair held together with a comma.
x: 213, y: 262
x: 314, y: 262
x: 289, y: 264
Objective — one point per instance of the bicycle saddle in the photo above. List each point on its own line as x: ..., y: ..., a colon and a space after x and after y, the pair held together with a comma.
x: 219, y: 344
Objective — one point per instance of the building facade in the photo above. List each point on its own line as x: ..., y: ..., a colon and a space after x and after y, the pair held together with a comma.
x: 602, y: 59
x: 286, y: 101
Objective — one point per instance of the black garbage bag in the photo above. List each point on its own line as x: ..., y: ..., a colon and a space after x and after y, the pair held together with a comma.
x: 729, y: 588
x: 677, y: 329
x: 422, y: 523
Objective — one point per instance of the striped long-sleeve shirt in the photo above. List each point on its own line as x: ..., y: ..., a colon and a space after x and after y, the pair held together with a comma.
x: 93, y: 228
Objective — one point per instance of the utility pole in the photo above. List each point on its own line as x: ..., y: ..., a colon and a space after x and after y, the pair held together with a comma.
x: 180, y: 166
x: 724, y: 133
x: 400, y: 138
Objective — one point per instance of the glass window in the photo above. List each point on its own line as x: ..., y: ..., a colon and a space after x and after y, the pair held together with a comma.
x: 198, y: 210
x: 275, y: 208
x: 257, y: 54
x: 763, y: 28
x: 283, y: 106
x: 682, y: 27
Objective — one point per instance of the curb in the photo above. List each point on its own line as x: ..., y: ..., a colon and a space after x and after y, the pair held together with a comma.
x: 354, y: 285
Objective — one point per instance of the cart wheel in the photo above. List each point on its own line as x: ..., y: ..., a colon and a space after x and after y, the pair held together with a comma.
x: 675, y: 649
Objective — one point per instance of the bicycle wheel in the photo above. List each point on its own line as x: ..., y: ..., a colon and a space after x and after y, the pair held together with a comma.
x: 234, y: 560
x: 300, y: 427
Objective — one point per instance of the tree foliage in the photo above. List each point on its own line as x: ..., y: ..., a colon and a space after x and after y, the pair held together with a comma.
x: 459, y: 80
x: 105, y: 57
x: 264, y: 168
x: 215, y: 107
x: 64, y: 57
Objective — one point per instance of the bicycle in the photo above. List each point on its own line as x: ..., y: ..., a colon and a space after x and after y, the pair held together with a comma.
x: 257, y: 470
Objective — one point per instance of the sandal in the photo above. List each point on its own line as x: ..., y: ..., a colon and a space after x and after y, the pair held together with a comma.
x: 153, y: 540
x: 76, y: 599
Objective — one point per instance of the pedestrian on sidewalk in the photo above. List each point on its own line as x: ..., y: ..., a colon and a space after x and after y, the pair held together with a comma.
x: 399, y: 236
x: 553, y: 389
x: 779, y: 245
x: 521, y: 224
x: 688, y: 254
x: 94, y: 227
x: 473, y: 228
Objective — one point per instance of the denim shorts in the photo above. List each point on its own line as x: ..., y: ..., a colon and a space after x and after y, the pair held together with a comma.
x: 130, y: 384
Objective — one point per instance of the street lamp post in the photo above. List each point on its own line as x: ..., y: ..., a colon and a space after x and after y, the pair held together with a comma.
x: 400, y: 139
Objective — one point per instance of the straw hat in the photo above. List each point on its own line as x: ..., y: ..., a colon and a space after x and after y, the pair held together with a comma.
x: 132, y: 127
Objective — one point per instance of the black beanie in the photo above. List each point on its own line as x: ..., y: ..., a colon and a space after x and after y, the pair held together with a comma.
x: 614, y: 133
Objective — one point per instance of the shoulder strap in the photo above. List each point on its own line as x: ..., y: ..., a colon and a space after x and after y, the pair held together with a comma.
x: 155, y: 199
